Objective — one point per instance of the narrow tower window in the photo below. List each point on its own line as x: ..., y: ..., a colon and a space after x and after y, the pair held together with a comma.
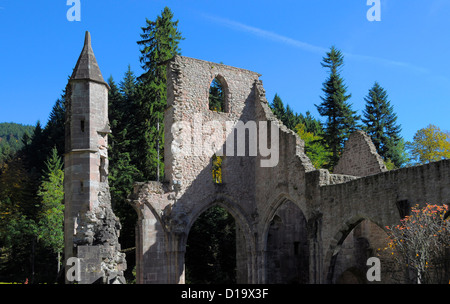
x: 82, y: 125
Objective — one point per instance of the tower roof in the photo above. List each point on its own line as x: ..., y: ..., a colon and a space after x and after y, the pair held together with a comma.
x: 87, y: 67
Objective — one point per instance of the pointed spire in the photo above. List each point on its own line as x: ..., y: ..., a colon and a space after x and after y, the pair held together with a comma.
x: 87, y: 67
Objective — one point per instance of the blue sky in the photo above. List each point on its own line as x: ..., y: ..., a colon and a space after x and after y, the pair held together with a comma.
x: 406, y: 52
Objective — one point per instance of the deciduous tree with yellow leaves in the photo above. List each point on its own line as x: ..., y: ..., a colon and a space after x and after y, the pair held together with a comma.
x: 429, y: 144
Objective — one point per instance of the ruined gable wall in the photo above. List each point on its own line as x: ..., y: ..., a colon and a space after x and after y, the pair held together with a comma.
x: 167, y: 210
x: 190, y: 79
x: 286, y: 180
x: 360, y: 157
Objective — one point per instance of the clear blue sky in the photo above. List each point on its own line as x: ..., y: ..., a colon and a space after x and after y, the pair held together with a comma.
x: 406, y: 52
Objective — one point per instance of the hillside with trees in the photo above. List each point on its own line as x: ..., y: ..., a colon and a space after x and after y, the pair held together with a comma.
x: 11, y: 135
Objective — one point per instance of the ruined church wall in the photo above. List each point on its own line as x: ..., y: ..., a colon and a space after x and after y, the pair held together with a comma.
x: 378, y: 198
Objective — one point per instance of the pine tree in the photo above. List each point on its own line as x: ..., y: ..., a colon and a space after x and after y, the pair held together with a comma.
x: 341, y: 119
x: 381, y: 125
x: 160, y: 42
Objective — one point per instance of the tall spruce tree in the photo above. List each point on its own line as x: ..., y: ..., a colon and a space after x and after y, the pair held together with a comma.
x: 160, y: 42
x: 380, y: 123
x: 341, y: 119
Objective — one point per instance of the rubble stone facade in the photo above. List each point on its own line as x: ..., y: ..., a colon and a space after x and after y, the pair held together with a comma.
x: 291, y: 219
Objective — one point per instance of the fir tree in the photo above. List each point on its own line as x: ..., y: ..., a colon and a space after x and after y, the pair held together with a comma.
x: 381, y: 125
x: 341, y: 119
x: 160, y: 42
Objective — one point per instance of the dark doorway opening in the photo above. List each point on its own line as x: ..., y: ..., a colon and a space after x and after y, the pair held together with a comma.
x: 211, y: 248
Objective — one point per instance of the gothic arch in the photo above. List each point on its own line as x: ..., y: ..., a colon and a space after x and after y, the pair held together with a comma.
x: 336, y: 245
x: 285, y: 244
x: 247, y: 251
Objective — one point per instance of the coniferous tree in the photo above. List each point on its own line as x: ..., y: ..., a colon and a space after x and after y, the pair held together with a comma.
x: 341, y: 119
x: 381, y: 125
x: 54, y: 131
x: 122, y: 170
x: 160, y: 42
x: 51, y: 215
x: 277, y: 107
x: 311, y: 124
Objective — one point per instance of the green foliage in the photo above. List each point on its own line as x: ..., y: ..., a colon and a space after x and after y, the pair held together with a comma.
x: 341, y: 119
x: 21, y: 209
x: 160, y: 42
x: 11, y: 135
x: 381, y: 125
x: 216, y: 96
x: 308, y: 128
x: 211, y: 248
x: 291, y: 119
x: 429, y: 144
x: 51, y: 216
x: 314, y: 148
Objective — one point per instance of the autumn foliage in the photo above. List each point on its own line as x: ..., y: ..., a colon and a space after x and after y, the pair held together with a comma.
x: 421, y: 243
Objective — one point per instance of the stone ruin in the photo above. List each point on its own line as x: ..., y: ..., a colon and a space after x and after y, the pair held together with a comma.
x: 294, y: 223
x: 91, y: 229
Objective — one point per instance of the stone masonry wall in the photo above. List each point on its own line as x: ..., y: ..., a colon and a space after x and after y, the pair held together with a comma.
x: 314, y: 210
x: 360, y: 157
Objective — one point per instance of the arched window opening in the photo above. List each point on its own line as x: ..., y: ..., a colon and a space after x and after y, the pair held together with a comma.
x: 216, y: 96
x: 211, y: 249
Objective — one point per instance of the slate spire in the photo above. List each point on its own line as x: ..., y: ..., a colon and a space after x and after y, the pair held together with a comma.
x: 87, y: 67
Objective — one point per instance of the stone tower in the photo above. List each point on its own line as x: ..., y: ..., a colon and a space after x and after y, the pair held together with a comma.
x: 91, y: 229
